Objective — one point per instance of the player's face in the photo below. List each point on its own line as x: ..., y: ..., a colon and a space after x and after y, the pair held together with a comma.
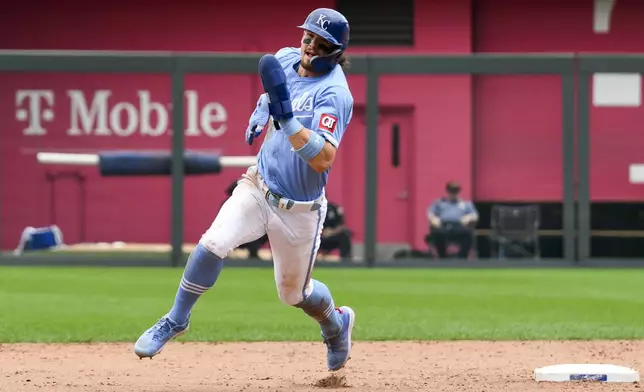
x: 313, y: 45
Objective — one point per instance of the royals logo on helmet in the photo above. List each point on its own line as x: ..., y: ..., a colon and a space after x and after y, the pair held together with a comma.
x: 322, y: 21
x: 328, y: 122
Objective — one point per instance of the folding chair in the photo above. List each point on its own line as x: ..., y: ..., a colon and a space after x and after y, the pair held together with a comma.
x: 515, y: 230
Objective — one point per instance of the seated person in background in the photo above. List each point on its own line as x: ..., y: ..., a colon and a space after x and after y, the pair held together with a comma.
x: 334, y: 234
x: 252, y: 247
x: 452, y: 219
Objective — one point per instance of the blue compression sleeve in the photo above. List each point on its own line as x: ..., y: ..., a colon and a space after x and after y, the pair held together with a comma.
x: 312, y: 148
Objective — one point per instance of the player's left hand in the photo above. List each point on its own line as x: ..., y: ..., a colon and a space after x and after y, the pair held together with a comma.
x: 274, y: 82
x: 279, y: 98
x: 258, y: 119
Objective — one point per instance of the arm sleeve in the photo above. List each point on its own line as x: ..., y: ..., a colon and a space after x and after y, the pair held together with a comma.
x: 433, y: 209
x: 332, y: 114
x: 470, y: 209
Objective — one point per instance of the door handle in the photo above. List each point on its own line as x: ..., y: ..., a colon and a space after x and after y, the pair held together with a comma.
x: 395, y: 145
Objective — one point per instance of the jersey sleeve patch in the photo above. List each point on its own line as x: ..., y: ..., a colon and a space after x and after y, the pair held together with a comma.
x: 328, y: 122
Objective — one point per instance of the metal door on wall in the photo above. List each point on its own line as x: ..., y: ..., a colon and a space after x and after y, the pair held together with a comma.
x: 394, y: 208
x: 67, y: 204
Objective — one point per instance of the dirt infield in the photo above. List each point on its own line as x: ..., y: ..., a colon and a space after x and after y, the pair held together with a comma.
x: 392, y: 366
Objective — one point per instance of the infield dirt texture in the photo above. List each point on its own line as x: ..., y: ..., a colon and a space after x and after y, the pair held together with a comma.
x: 378, y: 366
x: 73, y: 329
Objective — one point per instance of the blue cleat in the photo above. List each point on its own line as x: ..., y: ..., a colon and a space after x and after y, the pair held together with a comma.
x: 152, y: 341
x: 339, y: 346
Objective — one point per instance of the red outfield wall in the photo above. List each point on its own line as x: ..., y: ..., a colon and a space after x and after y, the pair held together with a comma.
x: 500, y: 136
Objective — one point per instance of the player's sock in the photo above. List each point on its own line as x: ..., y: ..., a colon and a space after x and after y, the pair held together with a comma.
x: 319, y: 305
x: 201, y: 273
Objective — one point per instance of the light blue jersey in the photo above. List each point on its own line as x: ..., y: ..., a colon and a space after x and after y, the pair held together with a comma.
x: 322, y: 104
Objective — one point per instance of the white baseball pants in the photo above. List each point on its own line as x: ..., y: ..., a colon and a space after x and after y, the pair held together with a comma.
x: 294, y: 235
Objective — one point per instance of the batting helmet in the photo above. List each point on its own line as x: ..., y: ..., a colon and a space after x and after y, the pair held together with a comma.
x: 332, y: 26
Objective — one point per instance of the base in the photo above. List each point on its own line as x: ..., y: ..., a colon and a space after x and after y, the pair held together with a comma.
x: 586, y: 372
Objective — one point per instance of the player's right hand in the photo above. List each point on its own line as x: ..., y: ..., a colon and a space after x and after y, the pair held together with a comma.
x: 258, y: 119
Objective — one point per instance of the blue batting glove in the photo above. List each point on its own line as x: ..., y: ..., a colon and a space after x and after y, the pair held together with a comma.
x: 258, y: 119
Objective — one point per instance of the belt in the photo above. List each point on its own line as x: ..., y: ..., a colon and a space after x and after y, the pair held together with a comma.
x: 287, y: 204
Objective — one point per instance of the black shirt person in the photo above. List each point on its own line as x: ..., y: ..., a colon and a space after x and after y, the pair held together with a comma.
x: 335, y: 235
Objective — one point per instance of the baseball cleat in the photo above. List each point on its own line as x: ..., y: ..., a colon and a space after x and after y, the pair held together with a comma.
x: 152, y: 341
x: 339, y: 346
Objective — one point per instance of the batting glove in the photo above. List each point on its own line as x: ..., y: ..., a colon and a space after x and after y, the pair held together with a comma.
x: 258, y: 119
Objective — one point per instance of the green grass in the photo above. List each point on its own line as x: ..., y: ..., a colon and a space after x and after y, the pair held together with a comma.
x: 117, y: 304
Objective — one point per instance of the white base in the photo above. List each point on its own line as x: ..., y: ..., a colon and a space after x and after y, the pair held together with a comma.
x: 586, y: 372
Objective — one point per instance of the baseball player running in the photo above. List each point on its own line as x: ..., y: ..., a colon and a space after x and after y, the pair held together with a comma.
x: 306, y: 107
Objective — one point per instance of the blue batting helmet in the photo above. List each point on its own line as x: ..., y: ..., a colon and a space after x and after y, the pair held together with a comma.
x: 332, y: 26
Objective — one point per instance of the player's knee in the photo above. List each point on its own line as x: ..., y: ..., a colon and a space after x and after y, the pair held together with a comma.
x: 214, y: 246
x: 290, y: 294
